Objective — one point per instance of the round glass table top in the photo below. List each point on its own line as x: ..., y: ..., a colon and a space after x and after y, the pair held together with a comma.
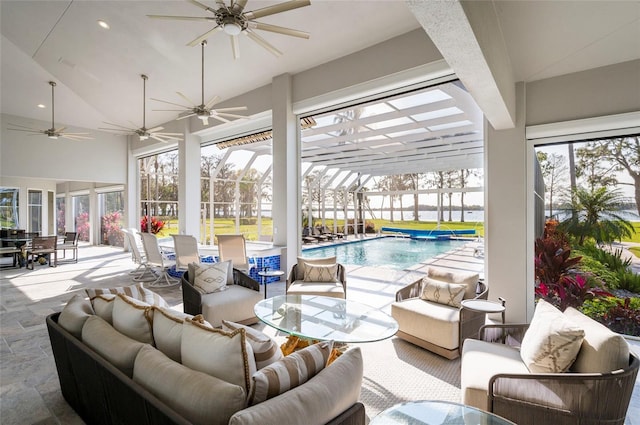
x: 435, y: 412
x: 326, y: 318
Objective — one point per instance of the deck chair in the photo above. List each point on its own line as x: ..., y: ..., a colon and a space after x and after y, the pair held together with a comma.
x: 43, y: 245
x: 156, y: 263
x: 70, y: 242
x: 186, y: 247
x: 234, y: 248
x: 141, y: 273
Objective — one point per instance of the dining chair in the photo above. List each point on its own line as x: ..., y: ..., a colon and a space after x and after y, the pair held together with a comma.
x: 70, y: 242
x: 41, y: 246
x: 186, y: 249
x: 234, y: 247
x: 156, y: 263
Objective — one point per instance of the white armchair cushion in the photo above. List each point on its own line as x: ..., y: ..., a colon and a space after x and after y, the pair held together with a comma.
x: 467, y: 278
x: 302, y: 262
x: 234, y: 304
x: 428, y: 321
x: 551, y: 343
x: 209, y: 278
x: 321, y: 273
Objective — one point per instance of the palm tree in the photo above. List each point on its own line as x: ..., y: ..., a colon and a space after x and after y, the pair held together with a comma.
x: 595, y: 214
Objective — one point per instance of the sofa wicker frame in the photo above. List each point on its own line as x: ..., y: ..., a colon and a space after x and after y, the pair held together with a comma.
x: 609, y: 393
x: 468, y: 326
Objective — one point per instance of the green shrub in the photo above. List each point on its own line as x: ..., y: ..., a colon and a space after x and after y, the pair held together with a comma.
x: 628, y: 280
x: 619, y: 315
x: 595, y: 268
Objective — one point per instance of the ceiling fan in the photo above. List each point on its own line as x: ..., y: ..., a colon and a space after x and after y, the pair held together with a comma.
x: 143, y: 132
x: 204, y: 111
x: 53, y: 132
x: 234, y: 21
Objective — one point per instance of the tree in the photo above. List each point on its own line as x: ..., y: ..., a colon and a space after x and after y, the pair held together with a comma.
x: 554, y: 172
x: 593, y: 167
x: 595, y: 215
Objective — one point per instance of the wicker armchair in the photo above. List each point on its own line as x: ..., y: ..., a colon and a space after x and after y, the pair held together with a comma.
x: 234, y: 304
x: 553, y: 398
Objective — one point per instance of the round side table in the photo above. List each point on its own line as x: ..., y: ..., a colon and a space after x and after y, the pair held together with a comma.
x: 484, y: 306
x: 264, y: 274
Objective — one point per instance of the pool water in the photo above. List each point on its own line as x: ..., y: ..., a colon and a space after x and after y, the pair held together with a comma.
x: 393, y: 253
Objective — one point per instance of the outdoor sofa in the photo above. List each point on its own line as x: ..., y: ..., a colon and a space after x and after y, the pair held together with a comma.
x: 134, y: 371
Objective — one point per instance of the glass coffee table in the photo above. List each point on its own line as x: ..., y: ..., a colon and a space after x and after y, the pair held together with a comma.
x: 436, y: 412
x: 316, y: 317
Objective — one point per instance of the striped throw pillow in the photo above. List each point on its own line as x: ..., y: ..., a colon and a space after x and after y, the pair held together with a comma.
x: 136, y: 291
x: 290, y: 372
x: 265, y: 349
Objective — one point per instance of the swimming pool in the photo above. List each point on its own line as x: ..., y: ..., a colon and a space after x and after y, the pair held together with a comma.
x: 393, y: 253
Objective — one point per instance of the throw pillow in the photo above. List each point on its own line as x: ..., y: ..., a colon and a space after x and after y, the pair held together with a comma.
x: 302, y: 262
x: 192, y: 271
x: 74, y: 314
x: 442, y: 292
x: 551, y: 342
x: 320, y: 273
x: 225, y: 355
x: 167, y: 331
x: 133, y: 318
x: 293, y: 370
x: 211, y: 278
x: 265, y: 349
x: 467, y: 278
x: 103, y: 306
x: 136, y: 291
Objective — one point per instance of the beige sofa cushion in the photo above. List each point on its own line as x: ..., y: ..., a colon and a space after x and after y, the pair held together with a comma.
x: 133, y: 318
x: 429, y: 321
x: 467, y: 278
x: 192, y: 273
x: 333, y: 390
x: 116, y: 348
x: 167, y: 331
x: 200, y: 398
x: 480, y: 361
x: 225, y: 355
x: 602, y: 350
x: 74, y: 314
x: 551, y: 343
x: 327, y: 289
x: 209, y: 278
x: 300, y: 267
x: 265, y: 349
x: 442, y: 292
x: 234, y: 304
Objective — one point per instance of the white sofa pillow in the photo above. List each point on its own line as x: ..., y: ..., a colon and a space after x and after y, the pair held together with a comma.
x: 551, y: 342
x: 103, y: 306
x: 265, y: 349
x: 74, y: 314
x: 321, y: 273
x: 225, y: 355
x: 209, y: 278
x: 133, y: 318
x: 302, y: 262
x: 442, y: 292
x: 467, y: 278
x: 167, y: 331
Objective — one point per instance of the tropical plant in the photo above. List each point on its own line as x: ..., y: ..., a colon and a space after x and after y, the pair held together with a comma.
x: 111, y: 225
x: 619, y: 315
x: 594, y: 214
x: 83, y: 226
x: 553, y: 260
x: 156, y: 225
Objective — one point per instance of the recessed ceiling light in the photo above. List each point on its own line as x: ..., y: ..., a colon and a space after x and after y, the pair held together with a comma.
x: 41, y: 106
x: 103, y: 24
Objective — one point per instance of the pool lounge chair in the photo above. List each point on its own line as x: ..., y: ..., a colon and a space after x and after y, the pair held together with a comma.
x: 306, y: 238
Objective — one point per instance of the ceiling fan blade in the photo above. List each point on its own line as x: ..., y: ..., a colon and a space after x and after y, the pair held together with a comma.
x: 155, y: 129
x: 238, y: 5
x: 117, y: 125
x: 171, y: 110
x: 171, y: 103
x: 204, y: 36
x: 23, y: 126
x: 26, y: 130
x: 61, y: 129
x: 187, y: 99
x: 262, y: 42
x: 183, y: 18
x: 159, y: 139
x: 219, y: 118
x: 213, y: 101
x: 170, y: 135
x: 185, y: 116
x: 200, y: 5
x: 234, y: 108
x: 116, y: 129
x: 276, y: 8
x: 74, y: 137
x: 235, y: 46
x: 77, y: 134
x: 222, y: 114
x: 278, y: 29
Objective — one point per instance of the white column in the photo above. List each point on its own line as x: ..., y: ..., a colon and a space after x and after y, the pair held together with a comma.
x: 132, y: 191
x: 287, y: 223
x: 189, y: 184
x: 507, y: 252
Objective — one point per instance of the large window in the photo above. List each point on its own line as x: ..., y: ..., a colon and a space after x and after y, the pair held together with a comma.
x: 61, y: 219
x: 81, y: 216
x: 236, y: 188
x: 111, y: 206
x: 34, y: 211
x: 9, y: 208
x: 159, y: 192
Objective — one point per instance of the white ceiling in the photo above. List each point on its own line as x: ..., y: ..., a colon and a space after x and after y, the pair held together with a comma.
x: 98, y: 71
